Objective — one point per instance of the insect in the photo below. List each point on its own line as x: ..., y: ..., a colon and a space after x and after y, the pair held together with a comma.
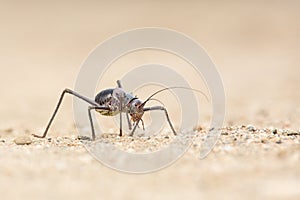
x: 111, y: 102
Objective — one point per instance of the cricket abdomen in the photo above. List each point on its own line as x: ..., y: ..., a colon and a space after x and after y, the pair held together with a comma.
x: 105, y: 98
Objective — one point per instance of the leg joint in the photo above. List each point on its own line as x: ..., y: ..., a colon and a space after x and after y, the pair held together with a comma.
x: 67, y: 91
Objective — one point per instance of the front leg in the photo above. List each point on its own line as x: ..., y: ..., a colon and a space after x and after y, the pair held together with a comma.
x: 128, y: 120
x: 156, y: 108
x: 166, y: 113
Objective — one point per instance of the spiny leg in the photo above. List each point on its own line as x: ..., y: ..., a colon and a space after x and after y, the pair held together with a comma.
x: 135, y: 126
x: 91, y: 119
x: 157, y: 108
x: 119, y: 84
x: 128, y: 120
x: 58, y: 105
x: 120, y: 110
x: 120, y: 124
x: 166, y: 113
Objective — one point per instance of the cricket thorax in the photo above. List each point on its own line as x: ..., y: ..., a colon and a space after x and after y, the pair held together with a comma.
x: 116, y: 100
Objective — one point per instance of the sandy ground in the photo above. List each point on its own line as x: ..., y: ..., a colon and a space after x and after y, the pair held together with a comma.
x: 256, y: 48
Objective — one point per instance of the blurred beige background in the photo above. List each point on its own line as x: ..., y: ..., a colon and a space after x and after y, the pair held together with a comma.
x: 255, y: 45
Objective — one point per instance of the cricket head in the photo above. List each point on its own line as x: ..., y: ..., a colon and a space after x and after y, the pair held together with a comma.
x: 136, y: 109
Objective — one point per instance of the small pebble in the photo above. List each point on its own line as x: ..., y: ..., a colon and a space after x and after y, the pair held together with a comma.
x: 82, y: 137
x: 251, y: 128
x: 264, y: 140
x: 9, y: 130
x: 24, y: 139
x: 278, y: 140
x: 293, y: 133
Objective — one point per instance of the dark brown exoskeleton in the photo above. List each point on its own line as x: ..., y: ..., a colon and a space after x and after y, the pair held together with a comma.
x: 115, y: 101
